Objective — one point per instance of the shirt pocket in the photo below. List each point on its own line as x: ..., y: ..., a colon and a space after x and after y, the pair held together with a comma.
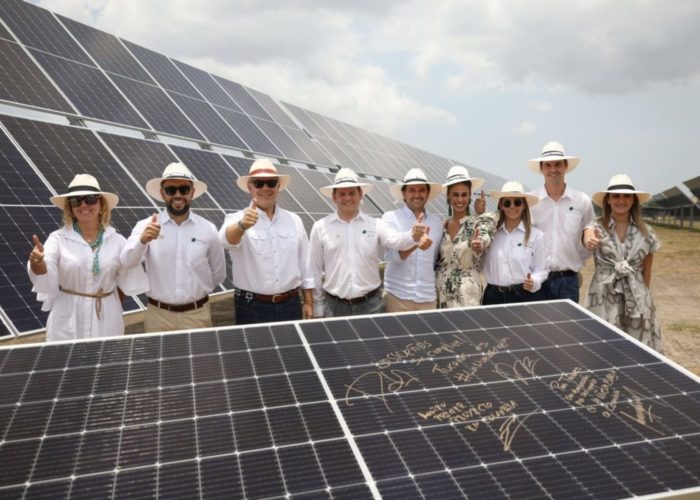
x: 573, y: 221
x: 261, y: 243
x: 197, y: 253
x: 288, y: 240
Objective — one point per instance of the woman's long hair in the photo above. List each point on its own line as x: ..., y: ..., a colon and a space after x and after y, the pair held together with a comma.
x: 449, y: 205
x: 524, y: 217
x: 635, y: 215
x: 105, y: 214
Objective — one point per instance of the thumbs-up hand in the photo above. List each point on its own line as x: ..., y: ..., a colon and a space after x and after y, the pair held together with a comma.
x: 152, y: 230
x: 476, y: 241
x: 37, y: 255
x: 425, y: 241
x: 250, y: 216
x: 591, y: 238
x: 480, y: 204
x: 529, y: 283
x: 418, y: 228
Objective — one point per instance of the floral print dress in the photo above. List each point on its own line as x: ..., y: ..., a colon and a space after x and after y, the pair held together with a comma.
x: 458, y: 277
x: 618, y: 293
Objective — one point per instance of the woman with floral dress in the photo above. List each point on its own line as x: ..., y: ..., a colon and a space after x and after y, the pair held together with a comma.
x: 624, y: 250
x: 464, y: 238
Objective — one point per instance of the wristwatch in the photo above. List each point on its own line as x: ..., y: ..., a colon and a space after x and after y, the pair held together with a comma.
x: 241, y: 226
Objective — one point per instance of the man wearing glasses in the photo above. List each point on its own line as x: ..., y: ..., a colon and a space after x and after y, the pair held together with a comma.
x: 269, y: 252
x: 184, y: 260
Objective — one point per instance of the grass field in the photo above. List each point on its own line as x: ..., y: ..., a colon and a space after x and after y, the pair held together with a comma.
x: 675, y: 287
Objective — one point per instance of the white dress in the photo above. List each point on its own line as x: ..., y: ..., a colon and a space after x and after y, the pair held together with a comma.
x: 69, y: 262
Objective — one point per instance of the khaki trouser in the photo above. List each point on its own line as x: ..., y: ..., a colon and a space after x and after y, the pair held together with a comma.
x: 160, y: 320
x: 395, y: 304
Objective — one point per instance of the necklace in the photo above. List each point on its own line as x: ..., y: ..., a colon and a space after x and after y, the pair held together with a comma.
x: 95, y: 246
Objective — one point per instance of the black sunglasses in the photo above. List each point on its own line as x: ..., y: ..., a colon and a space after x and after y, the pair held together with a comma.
x: 89, y: 199
x: 271, y: 183
x: 171, y: 190
x: 518, y: 202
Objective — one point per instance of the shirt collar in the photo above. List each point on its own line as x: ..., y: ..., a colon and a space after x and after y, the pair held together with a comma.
x: 521, y: 228
x: 360, y: 216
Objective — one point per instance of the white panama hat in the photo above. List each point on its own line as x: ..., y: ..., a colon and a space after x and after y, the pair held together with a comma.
x: 345, y: 178
x: 265, y: 169
x: 175, y: 171
x: 82, y: 185
x: 513, y: 189
x: 621, y: 184
x: 415, y: 176
x: 459, y: 174
x: 553, y: 151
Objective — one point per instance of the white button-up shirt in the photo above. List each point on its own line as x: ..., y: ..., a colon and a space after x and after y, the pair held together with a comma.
x: 348, y: 254
x: 413, y: 278
x: 562, y: 223
x: 69, y: 261
x: 185, y: 263
x: 509, y: 259
x: 272, y: 256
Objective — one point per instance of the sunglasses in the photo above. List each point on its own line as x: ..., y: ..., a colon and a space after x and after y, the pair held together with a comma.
x: 171, y: 190
x: 271, y: 183
x: 89, y: 199
x: 518, y: 202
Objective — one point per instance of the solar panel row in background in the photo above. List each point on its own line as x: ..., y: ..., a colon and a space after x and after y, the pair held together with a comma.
x: 76, y: 99
x: 523, y: 401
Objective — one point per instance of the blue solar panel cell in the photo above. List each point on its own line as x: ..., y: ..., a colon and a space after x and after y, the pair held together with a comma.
x: 22, y: 81
x: 24, y: 185
x: 285, y: 143
x: 207, y: 86
x: 107, y: 50
x: 272, y: 108
x: 245, y: 101
x: 249, y: 132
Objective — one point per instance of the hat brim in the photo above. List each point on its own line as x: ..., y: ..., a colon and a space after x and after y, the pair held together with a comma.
x: 60, y: 200
x: 477, y: 182
x: 534, y: 164
x: 531, y: 199
x: 242, y: 181
x: 435, y: 190
x: 153, y: 187
x: 328, y: 190
x: 598, y: 197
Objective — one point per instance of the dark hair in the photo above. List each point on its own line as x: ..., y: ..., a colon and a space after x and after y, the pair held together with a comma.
x: 635, y: 215
x: 566, y: 162
x: 524, y: 216
x: 403, y: 188
x: 358, y: 188
x: 449, y: 207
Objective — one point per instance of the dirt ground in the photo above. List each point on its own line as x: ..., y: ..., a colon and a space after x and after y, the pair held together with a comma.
x: 675, y: 287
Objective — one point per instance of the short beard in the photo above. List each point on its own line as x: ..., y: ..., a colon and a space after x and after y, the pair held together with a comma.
x: 178, y: 213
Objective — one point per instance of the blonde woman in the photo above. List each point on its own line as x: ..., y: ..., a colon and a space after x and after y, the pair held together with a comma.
x: 624, y: 249
x: 458, y: 276
x: 516, y: 264
x: 77, y: 271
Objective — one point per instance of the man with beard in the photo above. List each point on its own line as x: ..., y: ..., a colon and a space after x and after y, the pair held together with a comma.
x: 184, y: 259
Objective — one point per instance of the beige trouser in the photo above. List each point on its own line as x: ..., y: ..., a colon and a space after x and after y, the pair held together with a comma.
x: 160, y: 320
x: 394, y: 304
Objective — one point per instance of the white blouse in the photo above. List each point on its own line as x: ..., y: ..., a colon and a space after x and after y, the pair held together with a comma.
x: 69, y: 261
x: 509, y: 259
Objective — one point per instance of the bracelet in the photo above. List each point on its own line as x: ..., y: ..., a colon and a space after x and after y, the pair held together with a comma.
x: 241, y: 226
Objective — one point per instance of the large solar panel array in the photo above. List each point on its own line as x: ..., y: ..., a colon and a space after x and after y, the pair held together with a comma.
x: 524, y: 401
x: 75, y: 99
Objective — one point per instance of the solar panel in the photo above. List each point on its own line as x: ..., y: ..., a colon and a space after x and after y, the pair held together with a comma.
x: 22, y: 81
x: 23, y: 185
x: 277, y: 135
x: 513, y: 401
x: 245, y: 101
x: 89, y: 90
x: 6, y: 34
x: 249, y: 132
x: 207, y: 86
x: 272, y: 108
x: 693, y: 185
x: 317, y: 155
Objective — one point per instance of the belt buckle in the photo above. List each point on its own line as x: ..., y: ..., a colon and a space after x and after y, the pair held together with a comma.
x: 249, y: 295
x: 281, y: 296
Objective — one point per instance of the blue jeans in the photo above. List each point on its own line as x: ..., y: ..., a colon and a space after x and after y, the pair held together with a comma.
x: 249, y: 310
x: 334, y: 307
x: 508, y: 295
x: 561, y: 287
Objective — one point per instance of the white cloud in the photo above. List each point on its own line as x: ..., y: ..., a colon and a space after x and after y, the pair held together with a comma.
x: 540, y: 106
x: 525, y: 128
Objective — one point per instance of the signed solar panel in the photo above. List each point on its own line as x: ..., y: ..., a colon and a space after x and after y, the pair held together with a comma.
x: 524, y: 401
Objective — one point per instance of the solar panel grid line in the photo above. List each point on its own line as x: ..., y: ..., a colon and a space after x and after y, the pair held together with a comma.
x: 369, y: 479
x: 273, y: 109
x: 207, y: 85
x: 243, y: 125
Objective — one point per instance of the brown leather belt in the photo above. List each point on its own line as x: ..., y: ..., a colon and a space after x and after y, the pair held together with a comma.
x: 179, y: 308
x: 98, y: 296
x: 271, y: 299
x: 561, y: 274
x: 356, y: 300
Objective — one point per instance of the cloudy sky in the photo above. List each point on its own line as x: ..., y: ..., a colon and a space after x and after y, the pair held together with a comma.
x: 485, y: 82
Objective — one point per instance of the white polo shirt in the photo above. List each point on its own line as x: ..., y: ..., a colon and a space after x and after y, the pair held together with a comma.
x: 509, y: 259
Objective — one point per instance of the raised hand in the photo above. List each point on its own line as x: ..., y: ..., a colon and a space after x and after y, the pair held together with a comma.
x: 529, y: 283
x: 419, y: 229
x: 425, y: 241
x: 152, y: 230
x: 592, y: 238
x: 480, y: 204
x: 250, y: 216
x: 37, y: 255
x: 476, y: 241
